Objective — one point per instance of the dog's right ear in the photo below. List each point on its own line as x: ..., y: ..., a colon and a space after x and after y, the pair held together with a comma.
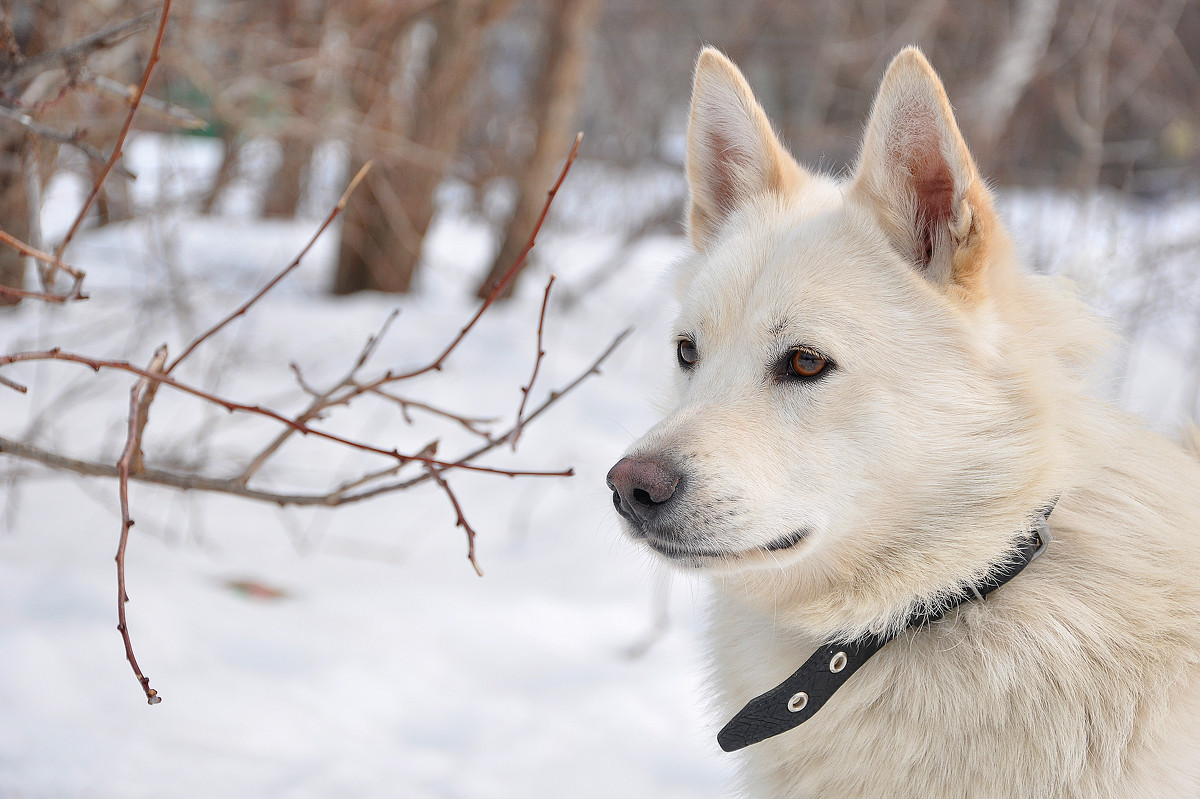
x: 917, y: 175
x: 732, y: 152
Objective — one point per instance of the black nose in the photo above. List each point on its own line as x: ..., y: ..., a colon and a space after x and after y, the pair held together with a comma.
x: 641, y: 487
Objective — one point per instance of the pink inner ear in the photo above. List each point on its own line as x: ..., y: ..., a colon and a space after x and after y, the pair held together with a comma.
x: 726, y: 161
x: 917, y: 154
x: 933, y: 187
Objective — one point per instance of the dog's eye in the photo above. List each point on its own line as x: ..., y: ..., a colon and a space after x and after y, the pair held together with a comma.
x: 687, y: 353
x: 805, y: 363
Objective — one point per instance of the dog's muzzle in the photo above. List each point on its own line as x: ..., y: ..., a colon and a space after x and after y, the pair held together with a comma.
x: 642, y: 488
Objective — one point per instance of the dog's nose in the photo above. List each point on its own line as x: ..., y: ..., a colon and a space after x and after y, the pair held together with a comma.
x: 641, y: 487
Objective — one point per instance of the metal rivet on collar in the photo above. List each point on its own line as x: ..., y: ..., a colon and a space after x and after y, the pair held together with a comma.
x: 838, y: 663
x: 797, y: 702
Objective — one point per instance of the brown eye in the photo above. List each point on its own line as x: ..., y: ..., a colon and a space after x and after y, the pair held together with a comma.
x: 806, y: 363
x: 687, y: 354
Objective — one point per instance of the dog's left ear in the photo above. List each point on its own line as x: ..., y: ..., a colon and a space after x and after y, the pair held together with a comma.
x: 916, y: 173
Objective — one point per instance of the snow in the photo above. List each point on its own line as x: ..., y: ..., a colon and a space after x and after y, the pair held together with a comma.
x: 373, y: 662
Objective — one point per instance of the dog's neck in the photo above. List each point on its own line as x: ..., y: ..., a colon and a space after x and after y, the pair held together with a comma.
x: 801, y: 695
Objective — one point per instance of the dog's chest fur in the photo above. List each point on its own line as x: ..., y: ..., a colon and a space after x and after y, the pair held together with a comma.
x: 1078, y: 679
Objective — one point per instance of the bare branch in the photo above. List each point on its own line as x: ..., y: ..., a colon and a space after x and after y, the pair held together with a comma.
x: 321, y: 400
x: 69, y: 139
x: 149, y: 391
x: 20, y: 294
x: 355, y: 389
x: 56, y: 354
x: 300, y: 381
x: 470, y: 423
x: 554, y: 397
x: 66, y: 57
x: 120, y: 142
x: 132, y: 453
x: 339, y: 496
x: 177, y: 114
x: 537, y: 362
x: 331, y: 398
x: 337, y: 209
x: 183, y: 482
x: 461, y: 521
x: 498, y: 289
x: 54, y: 262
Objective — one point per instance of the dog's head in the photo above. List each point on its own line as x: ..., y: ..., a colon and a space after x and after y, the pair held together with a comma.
x: 851, y: 403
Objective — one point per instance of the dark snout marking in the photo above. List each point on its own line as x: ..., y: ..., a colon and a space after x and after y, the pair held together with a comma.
x: 641, y: 487
x: 786, y: 542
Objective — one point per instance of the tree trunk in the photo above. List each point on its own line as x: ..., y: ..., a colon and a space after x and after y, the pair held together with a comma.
x: 1016, y: 65
x: 231, y: 149
x: 32, y: 21
x: 568, y: 30
x: 14, y: 218
x: 368, y: 235
x: 300, y: 25
x: 375, y: 234
x: 386, y: 219
x: 283, y: 195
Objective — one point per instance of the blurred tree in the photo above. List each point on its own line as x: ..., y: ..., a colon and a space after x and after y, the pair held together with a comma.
x: 1015, y: 67
x: 386, y: 220
x: 299, y: 23
x: 568, y: 29
x: 23, y: 27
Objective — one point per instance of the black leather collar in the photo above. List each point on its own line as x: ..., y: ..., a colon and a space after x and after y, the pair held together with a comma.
x: 799, y: 697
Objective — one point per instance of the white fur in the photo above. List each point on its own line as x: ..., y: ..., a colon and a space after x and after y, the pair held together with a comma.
x: 960, y: 403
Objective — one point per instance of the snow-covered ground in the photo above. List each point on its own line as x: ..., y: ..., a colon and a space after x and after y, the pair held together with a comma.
x: 387, y: 667
x: 373, y: 662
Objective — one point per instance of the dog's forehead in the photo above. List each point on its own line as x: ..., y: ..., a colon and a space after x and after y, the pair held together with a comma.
x: 780, y: 268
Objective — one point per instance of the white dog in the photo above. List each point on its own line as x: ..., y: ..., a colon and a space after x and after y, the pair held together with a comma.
x: 881, y: 421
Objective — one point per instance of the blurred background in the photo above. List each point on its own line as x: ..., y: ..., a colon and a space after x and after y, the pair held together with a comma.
x: 1077, y: 96
x: 326, y: 651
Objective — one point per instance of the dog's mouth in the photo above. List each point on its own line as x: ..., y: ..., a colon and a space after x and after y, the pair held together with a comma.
x: 698, y: 555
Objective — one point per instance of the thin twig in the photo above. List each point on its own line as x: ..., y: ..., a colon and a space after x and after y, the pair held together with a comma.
x: 553, y: 398
x: 320, y: 400
x: 45, y: 257
x: 20, y: 294
x: 461, y: 521
x: 337, y: 209
x: 300, y: 381
x: 52, y: 134
x: 120, y: 142
x: 389, y: 377
x: 327, y: 399
x: 501, y: 284
x: 179, y: 116
x: 68, y: 55
x: 149, y: 392
x: 14, y: 385
x: 55, y: 263
x: 537, y: 362
x: 162, y: 477
x: 124, y: 468
x: 124, y: 366
x: 369, y: 477
x: 470, y: 423
x: 232, y: 486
